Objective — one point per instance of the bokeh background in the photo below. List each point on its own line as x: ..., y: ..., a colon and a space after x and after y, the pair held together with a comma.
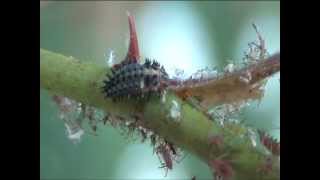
x: 184, y: 35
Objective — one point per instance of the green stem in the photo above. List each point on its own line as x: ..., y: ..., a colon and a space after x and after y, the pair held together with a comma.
x: 82, y: 82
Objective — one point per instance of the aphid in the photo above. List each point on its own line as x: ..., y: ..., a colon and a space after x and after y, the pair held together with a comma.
x: 261, y: 45
x: 105, y: 119
x: 143, y: 134
x: 166, y: 156
x: 216, y: 140
x: 89, y: 112
x: 113, y: 120
x: 65, y: 104
x: 131, y: 127
x: 270, y: 143
x: 153, y: 140
x: 266, y: 167
x: 222, y: 169
x: 94, y: 128
x: 172, y: 148
x: 132, y: 79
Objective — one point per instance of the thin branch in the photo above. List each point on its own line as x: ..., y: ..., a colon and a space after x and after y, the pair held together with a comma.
x: 240, y: 85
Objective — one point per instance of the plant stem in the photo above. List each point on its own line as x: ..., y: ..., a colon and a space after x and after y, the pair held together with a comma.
x: 66, y: 76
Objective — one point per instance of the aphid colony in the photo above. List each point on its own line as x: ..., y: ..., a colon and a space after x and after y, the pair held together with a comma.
x: 130, y: 126
x: 167, y: 152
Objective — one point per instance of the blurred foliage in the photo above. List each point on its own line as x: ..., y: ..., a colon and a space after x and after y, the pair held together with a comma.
x: 87, y: 30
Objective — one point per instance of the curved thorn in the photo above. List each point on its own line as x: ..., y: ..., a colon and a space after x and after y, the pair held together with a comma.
x: 133, y: 50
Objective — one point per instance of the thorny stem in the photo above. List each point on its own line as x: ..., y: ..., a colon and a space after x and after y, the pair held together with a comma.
x: 66, y: 76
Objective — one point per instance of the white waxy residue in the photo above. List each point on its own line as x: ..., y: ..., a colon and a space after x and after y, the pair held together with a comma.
x: 208, y: 73
x: 253, y: 137
x: 179, y: 74
x: 213, y: 72
x: 234, y: 120
x: 163, y: 97
x: 79, y: 108
x: 218, y: 114
x: 175, y: 111
x: 127, y: 123
x: 110, y: 58
x: 141, y: 84
x: 221, y: 121
x: 246, y: 78
x: 229, y: 68
x: 74, y: 133
x: 205, y: 74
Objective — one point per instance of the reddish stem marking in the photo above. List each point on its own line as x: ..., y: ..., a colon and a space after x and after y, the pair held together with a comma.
x: 222, y: 169
x: 216, y: 140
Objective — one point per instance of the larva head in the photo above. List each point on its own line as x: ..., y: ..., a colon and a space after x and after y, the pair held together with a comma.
x: 163, y: 75
x: 164, y: 79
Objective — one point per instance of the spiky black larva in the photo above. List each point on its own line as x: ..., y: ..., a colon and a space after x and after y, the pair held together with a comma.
x: 134, y: 80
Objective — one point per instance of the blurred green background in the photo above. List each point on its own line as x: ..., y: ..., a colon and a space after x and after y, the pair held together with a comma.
x: 184, y: 35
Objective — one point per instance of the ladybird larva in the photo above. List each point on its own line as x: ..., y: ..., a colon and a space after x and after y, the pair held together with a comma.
x: 131, y: 79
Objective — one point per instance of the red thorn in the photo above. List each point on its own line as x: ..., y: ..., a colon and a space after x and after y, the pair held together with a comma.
x: 133, y: 51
